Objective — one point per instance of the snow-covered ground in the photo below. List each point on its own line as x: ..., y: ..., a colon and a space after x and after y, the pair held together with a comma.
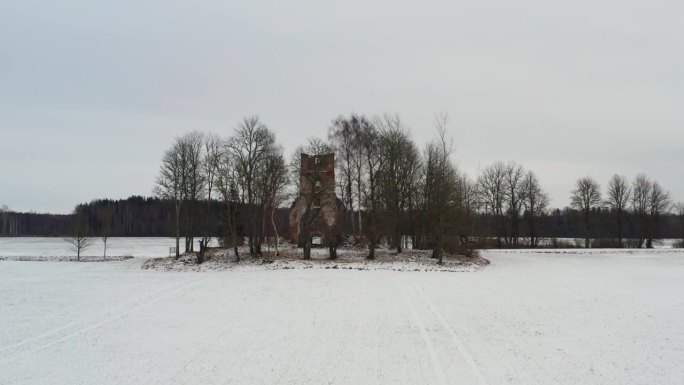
x: 347, y: 259
x: 528, y: 318
x: 59, y: 248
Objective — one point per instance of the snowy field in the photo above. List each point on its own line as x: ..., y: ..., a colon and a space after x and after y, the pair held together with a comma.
x: 528, y: 318
x: 59, y: 248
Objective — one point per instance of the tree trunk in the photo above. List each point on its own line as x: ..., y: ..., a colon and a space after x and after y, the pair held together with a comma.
x: 437, y: 252
x: 350, y: 184
x: 200, y: 254
x: 371, y: 251
x: 307, y: 247
x: 358, y: 187
x: 397, y: 230
x: 178, y: 209
x: 208, y: 231
x: 619, y: 229
x: 232, y: 217
x: 275, y: 230
x: 533, y: 243
x: 586, y: 229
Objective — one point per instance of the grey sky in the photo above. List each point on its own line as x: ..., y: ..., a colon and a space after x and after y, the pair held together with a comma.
x: 93, y: 92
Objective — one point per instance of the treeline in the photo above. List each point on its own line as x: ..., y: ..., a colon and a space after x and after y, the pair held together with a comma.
x: 13, y: 224
x: 555, y: 226
x: 397, y: 193
x: 126, y: 222
x: 135, y: 216
x: 239, y: 187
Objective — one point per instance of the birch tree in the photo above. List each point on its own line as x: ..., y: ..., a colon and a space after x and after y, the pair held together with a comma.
x: 249, y: 147
x: 227, y: 183
x: 213, y: 150
x: 275, y: 180
x: 169, y: 184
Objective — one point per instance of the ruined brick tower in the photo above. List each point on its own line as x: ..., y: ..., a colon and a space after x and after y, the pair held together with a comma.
x: 317, y: 210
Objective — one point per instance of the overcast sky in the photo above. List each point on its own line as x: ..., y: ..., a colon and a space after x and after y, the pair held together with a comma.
x: 93, y: 92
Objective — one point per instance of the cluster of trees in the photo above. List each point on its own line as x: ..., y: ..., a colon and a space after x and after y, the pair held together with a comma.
x: 135, y: 216
x: 639, y: 204
x: 14, y: 224
x: 246, y: 171
x: 392, y: 190
x: 509, y: 195
x: 383, y: 180
x: 239, y: 187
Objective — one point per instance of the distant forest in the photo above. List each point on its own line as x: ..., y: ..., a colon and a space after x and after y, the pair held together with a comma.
x: 136, y: 216
x: 140, y: 216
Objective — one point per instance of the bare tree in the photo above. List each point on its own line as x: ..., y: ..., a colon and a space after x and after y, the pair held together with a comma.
x: 79, y: 239
x: 585, y: 197
x: 229, y: 187
x: 193, y: 182
x: 318, y: 146
x: 659, y: 203
x: 679, y: 211
x: 170, y: 181
x: 275, y: 179
x: 439, y: 188
x: 467, y: 199
x: 213, y: 150
x: 535, y: 201
x: 104, y: 216
x: 617, y: 199
x: 342, y: 135
x: 368, y: 140
x: 249, y: 148
x: 397, y: 173
x: 492, y: 191
x: 361, y: 126
x: 641, y: 192
x: 513, y: 177
x: 180, y: 180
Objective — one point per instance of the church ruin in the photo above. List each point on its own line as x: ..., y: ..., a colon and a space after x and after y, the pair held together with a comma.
x: 317, y: 212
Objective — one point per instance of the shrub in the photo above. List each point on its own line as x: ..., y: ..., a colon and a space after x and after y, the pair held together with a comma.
x: 556, y: 243
x: 605, y: 243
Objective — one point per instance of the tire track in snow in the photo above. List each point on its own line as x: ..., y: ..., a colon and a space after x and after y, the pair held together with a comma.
x: 436, y: 364
x: 95, y: 326
x: 467, y: 357
x: 79, y: 321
